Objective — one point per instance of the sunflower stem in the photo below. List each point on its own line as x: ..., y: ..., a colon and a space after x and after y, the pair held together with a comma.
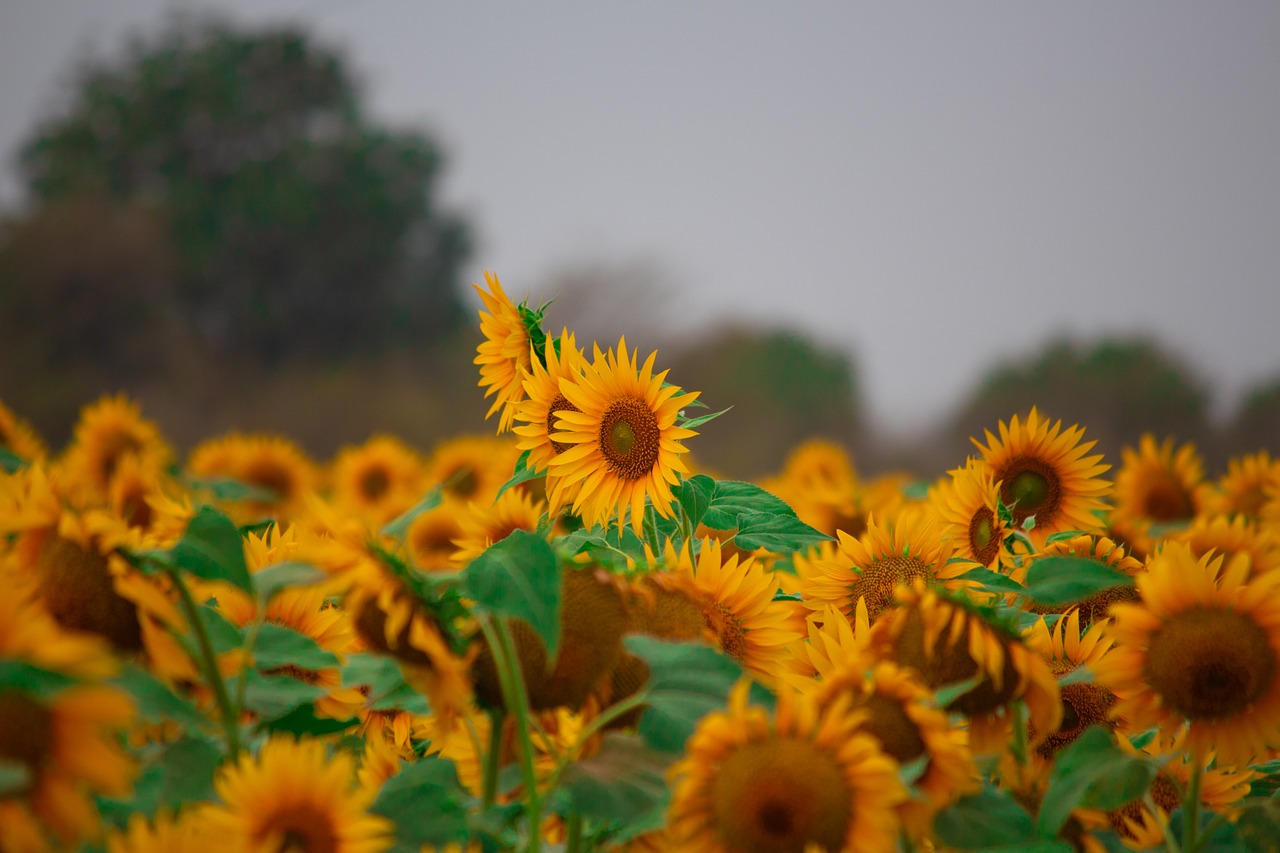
x: 573, y: 841
x: 1191, y: 807
x: 651, y: 528
x: 493, y: 759
x: 209, y: 662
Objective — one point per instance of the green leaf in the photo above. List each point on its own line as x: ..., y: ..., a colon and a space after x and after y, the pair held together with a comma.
x: 211, y: 549
x: 522, y: 474
x: 42, y: 683
x: 989, y: 819
x: 1062, y: 536
x: 14, y: 778
x: 1080, y: 675
x: 10, y: 462
x: 278, y: 646
x: 281, y: 576
x: 303, y: 720
x: 949, y: 693
x: 273, y: 696
x: 399, y: 526
x: 1065, y: 580
x: 686, y: 681
x: 1095, y: 773
x: 994, y: 580
x: 694, y: 495
x: 778, y: 534
x: 379, y: 672
x: 230, y: 491
x: 624, y: 781
x: 917, y: 491
x: 155, y: 701
x: 223, y: 635
x: 702, y: 419
x: 519, y: 577
x: 733, y: 498
x: 426, y: 803
x: 188, y: 766
x: 1258, y: 827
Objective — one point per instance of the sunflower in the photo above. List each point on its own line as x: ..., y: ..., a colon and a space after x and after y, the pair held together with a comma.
x: 1246, y: 486
x: 504, y: 354
x: 819, y: 482
x: 948, y: 640
x: 379, y: 479
x: 1089, y: 546
x: 1200, y: 650
x: 1229, y: 535
x: 431, y: 537
x: 1043, y: 472
x: 544, y: 400
x: 273, y: 464
x: 295, y: 796
x: 968, y: 503
x: 108, y: 431
x: 866, y: 570
x: 1156, y: 486
x: 1084, y: 703
x: 17, y: 436
x: 483, y: 526
x: 806, y: 778
x: 624, y: 441
x: 163, y: 833
x: 471, y: 468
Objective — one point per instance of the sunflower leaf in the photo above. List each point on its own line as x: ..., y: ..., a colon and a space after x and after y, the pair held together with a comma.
x: 212, y: 550
x: 989, y: 819
x: 519, y: 577
x: 694, y: 495
x: 426, y: 803
x: 14, y: 778
x: 778, y: 534
x: 702, y: 419
x: 1065, y: 580
x: 1062, y: 536
x: 521, y: 474
x: 274, y: 695
x: 1080, y: 675
x: 278, y: 646
x: 686, y: 681
x: 1092, y: 772
x: 624, y: 781
x: 188, y: 764
x: 733, y: 498
x: 281, y: 576
x: 229, y: 490
x: 155, y: 701
x: 1258, y: 827
x: 20, y: 675
x: 399, y: 526
x: 10, y: 462
x: 303, y: 720
x: 994, y: 580
x: 949, y: 693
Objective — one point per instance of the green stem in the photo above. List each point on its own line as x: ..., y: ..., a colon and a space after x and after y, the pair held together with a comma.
x: 209, y: 662
x: 651, y: 529
x: 493, y: 759
x: 516, y: 700
x: 1191, y: 808
x: 250, y: 643
x: 573, y: 843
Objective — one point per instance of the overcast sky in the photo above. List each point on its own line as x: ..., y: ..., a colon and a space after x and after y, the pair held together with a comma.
x: 931, y: 186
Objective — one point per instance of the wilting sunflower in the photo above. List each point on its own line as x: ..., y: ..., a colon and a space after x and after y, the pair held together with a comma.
x: 1084, y: 703
x: 544, y: 400
x: 471, y: 468
x: 1246, y: 486
x: 295, y: 795
x: 1228, y: 536
x: 1155, y: 486
x: 948, y: 640
x: 107, y: 431
x: 17, y: 436
x: 485, y: 525
x: 273, y: 464
x: 1090, y: 546
x: 866, y: 570
x: 1044, y: 472
x: 1201, y: 650
x: 379, y: 479
x: 624, y: 441
x: 504, y: 354
x: 967, y: 502
x: 808, y: 778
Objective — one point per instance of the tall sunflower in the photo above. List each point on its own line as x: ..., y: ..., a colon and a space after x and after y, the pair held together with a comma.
x: 1229, y: 535
x: 1200, y: 650
x: 504, y: 354
x: 296, y: 796
x: 818, y: 480
x: 431, y: 537
x: 623, y: 442
x: 1044, y: 472
x: 485, y: 525
x: 274, y: 464
x: 806, y: 778
x: 967, y: 502
x: 471, y: 468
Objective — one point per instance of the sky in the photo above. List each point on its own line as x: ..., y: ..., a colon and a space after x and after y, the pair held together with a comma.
x: 931, y: 188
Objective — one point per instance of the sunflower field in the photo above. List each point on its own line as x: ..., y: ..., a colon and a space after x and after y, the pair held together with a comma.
x: 569, y: 637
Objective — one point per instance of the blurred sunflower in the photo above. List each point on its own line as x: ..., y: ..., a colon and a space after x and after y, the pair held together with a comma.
x: 295, y: 796
x: 472, y: 468
x: 163, y: 833
x: 1156, y: 487
x: 106, y: 432
x: 432, y: 536
x: 1229, y: 535
x: 17, y: 436
x: 1084, y: 703
x: 1090, y: 546
x: 504, y: 354
x: 1044, y: 472
x: 1201, y: 650
x: 948, y: 640
x: 377, y: 480
x: 967, y: 502
x: 1245, y: 488
x: 482, y: 526
x: 273, y: 464
x: 819, y: 482
x: 624, y: 444
x: 807, y: 778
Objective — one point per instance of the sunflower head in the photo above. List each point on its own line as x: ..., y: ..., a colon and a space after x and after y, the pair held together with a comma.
x: 1245, y: 488
x: 273, y: 464
x: 968, y: 502
x: 1089, y: 546
x: 379, y: 479
x: 483, y: 525
x: 505, y: 353
x: 544, y: 400
x: 1084, y: 704
x: 17, y: 436
x: 108, y: 431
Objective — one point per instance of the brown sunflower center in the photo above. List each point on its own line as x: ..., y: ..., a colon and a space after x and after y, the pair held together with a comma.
x: 1083, y: 705
x: 727, y: 627
x: 983, y: 542
x: 272, y: 476
x: 300, y: 830
x: 133, y: 505
x: 1164, y: 793
x: 1029, y: 486
x: 1167, y: 500
x: 297, y: 673
x: 889, y: 723
x: 876, y: 582
x: 374, y: 483
x: 630, y: 438
x: 559, y: 404
x: 77, y: 588
x: 1210, y: 664
x: 114, y: 448
x: 26, y: 733
x: 462, y: 482
x: 779, y: 796
x: 669, y: 614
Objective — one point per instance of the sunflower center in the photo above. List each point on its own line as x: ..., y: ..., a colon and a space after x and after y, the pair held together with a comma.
x: 302, y: 830
x: 267, y: 474
x: 114, y: 448
x: 876, y: 582
x: 779, y: 796
x: 1029, y: 487
x: 671, y: 615
x: 1167, y: 500
x: 374, y: 483
x: 727, y: 627
x: 983, y: 542
x: 630, y: 438
x: 26, y: 734
x: 77, y: 588
x: 463, y: 482
x: 1083, y: 705
x: 1210, y: 664
x: 559, y: 404
x: 889, y: 723
x: 1164, y: 793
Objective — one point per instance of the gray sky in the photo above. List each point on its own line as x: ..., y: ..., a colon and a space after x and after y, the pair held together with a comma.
x: 931, y: 186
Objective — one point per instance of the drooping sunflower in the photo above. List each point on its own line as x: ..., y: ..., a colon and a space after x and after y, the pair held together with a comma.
x: 1201, y: 650
x: 273, y: 464
x: 1090, y: 546
x: 807, y: 778
x: 624, y: 444
x: 544, y: 400
x: 17, y: 436
x: 967, y: 502
x: 1044, y: 472
x: 484, y: 525
x: 948, y: 640
x: 295, y: 795
x: 1245, y: 488
x: 107, y: 431
x: 1229, y: 535
x: 866, y: 570
x: 504, y: 354
x: 1084, y: 703
x: 1156, y: 486
x: 378, y: 479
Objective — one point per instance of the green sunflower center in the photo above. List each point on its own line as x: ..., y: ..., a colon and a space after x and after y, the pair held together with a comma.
x: 1030, y: 486
x: 26, y: 733
x: 781, y: 795
x: 630, y: 438
x: 1210, y: 664
x: 983, y: 542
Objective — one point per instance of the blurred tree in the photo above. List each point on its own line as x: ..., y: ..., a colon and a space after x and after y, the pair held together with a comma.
x: 301, y: 227
x: 1116, y: 389
x: 783, y: 387
x: 1256, y: 425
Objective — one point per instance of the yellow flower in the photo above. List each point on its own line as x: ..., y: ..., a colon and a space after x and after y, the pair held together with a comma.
x: 1084, y: 703
x: 472, y: 468
x: 624, y: 445
x: 108, y: 431
x: 271, y: 463
x: 295, y: 796
x: 377, y: 480
x: 1247, y: 485
x: 807, y: 778
x: 431, y: 537
x: 1226, y: 536
x: 1093, y: 547
x: 968, y: 504
x: 504, y: 354
x: 544, y: 400
x: 162, y: 834
x: 483, y: 526
x: 1156, y: 486
x: 17, y: 436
